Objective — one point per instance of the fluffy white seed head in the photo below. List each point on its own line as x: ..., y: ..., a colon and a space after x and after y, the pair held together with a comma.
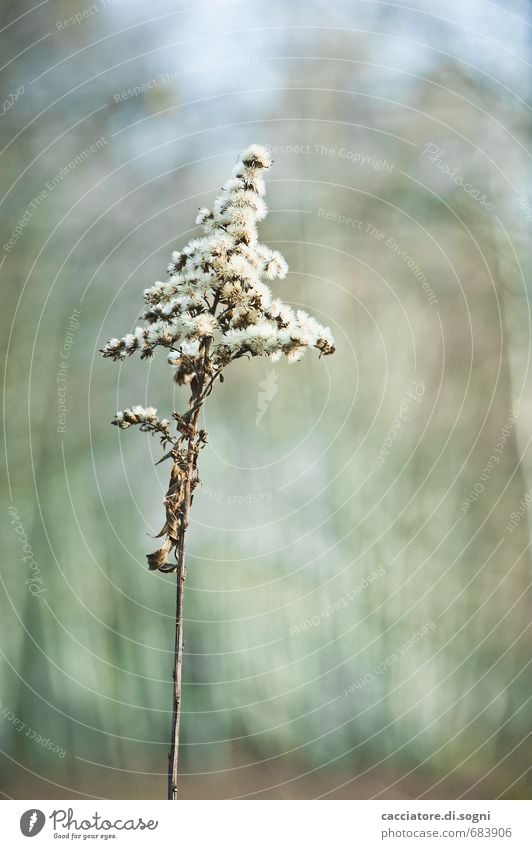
x: 217, y: 288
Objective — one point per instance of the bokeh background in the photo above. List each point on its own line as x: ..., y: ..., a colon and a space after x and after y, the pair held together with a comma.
x: 357, y: 607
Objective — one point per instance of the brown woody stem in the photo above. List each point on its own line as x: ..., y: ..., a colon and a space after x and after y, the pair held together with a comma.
x: 193, y: 446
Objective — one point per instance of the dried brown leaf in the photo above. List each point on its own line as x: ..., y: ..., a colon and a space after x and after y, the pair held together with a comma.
x: 158, y: 558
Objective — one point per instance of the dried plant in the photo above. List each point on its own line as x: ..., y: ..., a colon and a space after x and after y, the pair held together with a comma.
x: 214, y: 308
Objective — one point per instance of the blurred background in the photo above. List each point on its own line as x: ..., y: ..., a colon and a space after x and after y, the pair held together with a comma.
x: 357, y: 605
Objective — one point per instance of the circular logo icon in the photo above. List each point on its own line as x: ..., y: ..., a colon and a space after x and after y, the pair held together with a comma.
x: 32, y: 822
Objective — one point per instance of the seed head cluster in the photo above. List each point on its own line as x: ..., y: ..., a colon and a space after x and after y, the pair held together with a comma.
x: 217, y: 290
x: 214, y: 307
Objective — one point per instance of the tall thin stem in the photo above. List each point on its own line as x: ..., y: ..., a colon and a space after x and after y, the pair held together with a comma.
x: 191, y: 462
x: 177, y: 672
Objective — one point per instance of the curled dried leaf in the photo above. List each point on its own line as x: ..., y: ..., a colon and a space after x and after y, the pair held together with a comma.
x: 158, y: 559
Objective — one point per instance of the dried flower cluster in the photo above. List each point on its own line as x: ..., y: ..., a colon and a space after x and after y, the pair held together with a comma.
x: 217, y: 289
x: 215, y: 307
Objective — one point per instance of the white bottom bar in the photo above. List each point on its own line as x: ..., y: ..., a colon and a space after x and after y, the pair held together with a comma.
x: 267, y: 824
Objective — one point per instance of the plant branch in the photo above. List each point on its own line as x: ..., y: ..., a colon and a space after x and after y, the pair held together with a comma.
x: 195, y: 442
